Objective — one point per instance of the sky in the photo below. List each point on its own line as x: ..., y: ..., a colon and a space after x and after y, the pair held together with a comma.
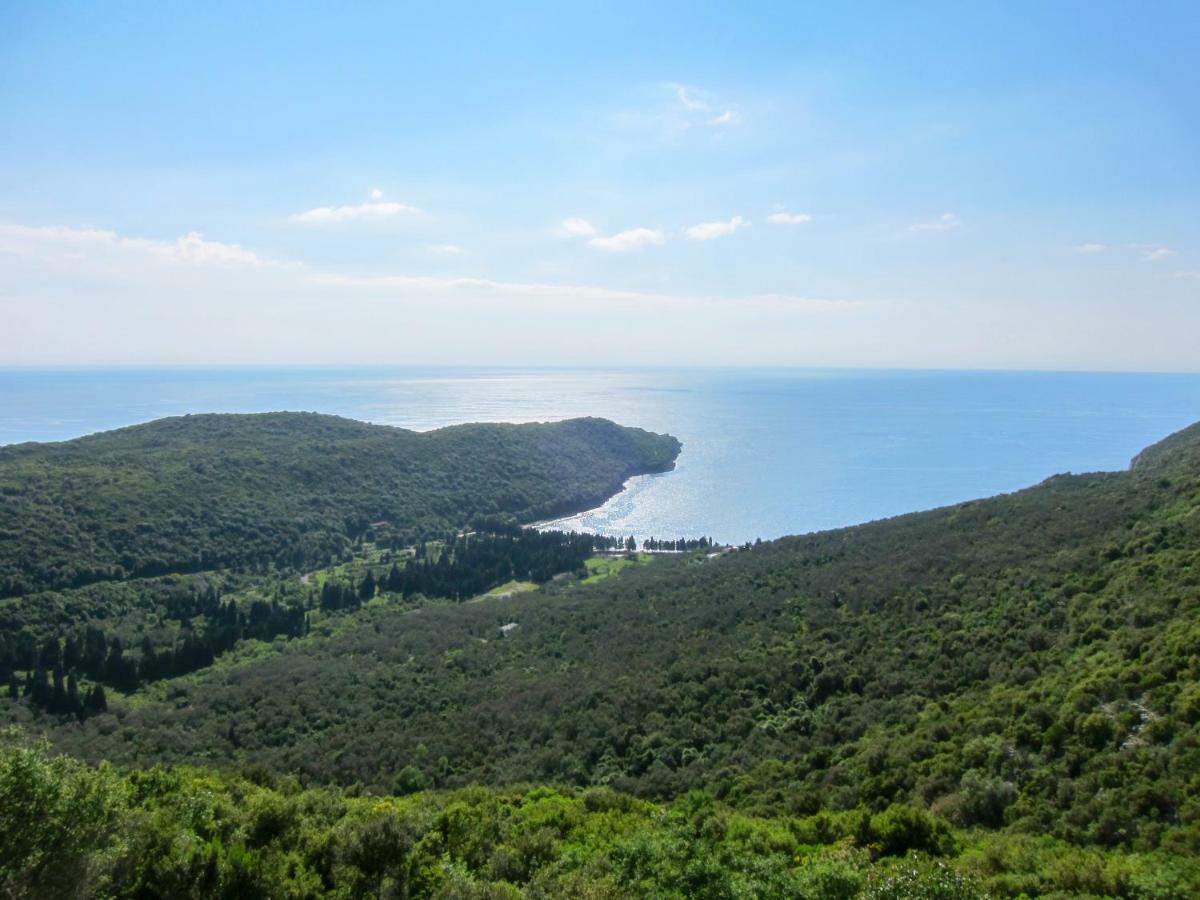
x: 926, y: 185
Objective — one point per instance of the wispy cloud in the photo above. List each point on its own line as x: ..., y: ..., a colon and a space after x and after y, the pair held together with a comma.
x: 1155, y: 254
x: 444, y: 249
x: 706, y: 231
x: 632, y: 239
x: 91, y: 250
x: 1147, y: 253
x: 783, y: 217
x: 944, y: 222
x: 58, y: 241
x: 577, y: 228
x: 193, y: 299
x: 700, y: 107
x: 691, y: 99
x: 375, y: 208
x: 547, y: 291
x: 1185, y: 276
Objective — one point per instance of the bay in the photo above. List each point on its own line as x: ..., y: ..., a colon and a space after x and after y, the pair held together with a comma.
x: 765, y: 452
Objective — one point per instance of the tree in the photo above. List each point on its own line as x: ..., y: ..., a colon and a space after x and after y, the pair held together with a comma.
x: 366, y: 589
x: 96, y: 700
x: 55, y: 813
x: 74, y: 703
x: 41, y: 692
x: 58, y: 700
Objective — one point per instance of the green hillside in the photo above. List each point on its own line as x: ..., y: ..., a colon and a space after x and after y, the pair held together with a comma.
x: 287, y: 490
x: 183, y: 833
x: 1010, y: 686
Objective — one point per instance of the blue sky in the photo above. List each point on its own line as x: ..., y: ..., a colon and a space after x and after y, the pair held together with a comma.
x: 929, y: 185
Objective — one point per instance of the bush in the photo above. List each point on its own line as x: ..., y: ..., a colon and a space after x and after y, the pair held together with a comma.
x: 56, y: 815
x: 903, y: 828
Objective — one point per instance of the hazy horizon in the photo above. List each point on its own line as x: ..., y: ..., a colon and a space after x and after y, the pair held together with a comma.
x: 235, y: 367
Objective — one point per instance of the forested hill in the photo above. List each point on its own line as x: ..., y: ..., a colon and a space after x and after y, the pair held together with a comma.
x: 1010, y: 685
x: 294, y: 489
x: 1027, y: 660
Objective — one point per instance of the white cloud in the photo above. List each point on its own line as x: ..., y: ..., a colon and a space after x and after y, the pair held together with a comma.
x: 944, y: 222
x: 706, y: 231
x: 92, y: 253
x: 576, y: 227
x: 690, y: 98
x: 376, y: 208
x: 1156, y: 254
x: 696, y: 107
x: 545, y: 291
x: 1186, y: 276
x: 782, y: 217
x: 633, y: 239
x: 444, y: 249
x: 59, y: 242
x: 1091, y: 249
x: 194, y: 248
x: 91, y: 296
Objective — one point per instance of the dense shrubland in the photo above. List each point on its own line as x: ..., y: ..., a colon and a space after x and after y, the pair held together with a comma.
x: 68, y: 830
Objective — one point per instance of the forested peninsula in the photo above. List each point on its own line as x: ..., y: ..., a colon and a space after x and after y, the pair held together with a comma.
x: 417, y: 697
x: 282, y: 490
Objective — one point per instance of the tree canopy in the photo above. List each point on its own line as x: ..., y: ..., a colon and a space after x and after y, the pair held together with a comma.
x: 1005, y: 687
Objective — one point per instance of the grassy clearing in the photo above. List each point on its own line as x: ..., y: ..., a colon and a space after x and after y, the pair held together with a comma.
x: 507, y: 589
x: 602, y: 567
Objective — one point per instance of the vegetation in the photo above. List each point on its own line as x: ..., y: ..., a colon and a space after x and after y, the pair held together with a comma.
x: 601, y: 567
x: 996, y: 697
x: 186, y: 622
x: 68, y: 830
x: 472, y: 564
x: 287, y: 490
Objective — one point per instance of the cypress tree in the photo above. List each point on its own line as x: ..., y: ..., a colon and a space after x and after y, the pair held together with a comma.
x: 58, y: 697
x: 366, y: 590
x: 41, y: 692
x: 97, y: 700
x: 71, y: 654
x: 74, y: 704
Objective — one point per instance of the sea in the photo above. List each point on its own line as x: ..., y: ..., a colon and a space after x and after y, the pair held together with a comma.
x: 766, y: 452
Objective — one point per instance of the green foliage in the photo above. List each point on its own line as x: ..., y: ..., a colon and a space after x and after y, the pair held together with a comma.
x: 289, y: 490
x: 56, y: 821
x: 1024, y: 662
x: 997, y: 697
x: 67, y: 830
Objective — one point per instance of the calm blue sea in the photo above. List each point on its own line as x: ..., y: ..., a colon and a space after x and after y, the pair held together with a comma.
x: 765, y: 453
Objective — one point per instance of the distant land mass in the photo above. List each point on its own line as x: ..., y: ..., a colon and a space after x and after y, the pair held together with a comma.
x: 200, y: 492
x: 994, y: 698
